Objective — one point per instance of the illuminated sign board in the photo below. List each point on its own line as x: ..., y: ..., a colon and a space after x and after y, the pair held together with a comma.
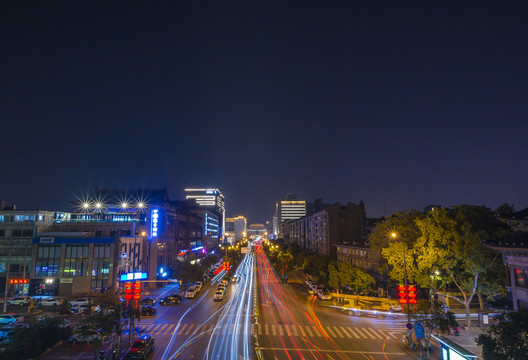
x: 154, y: 221
x: 18, y: 281
x: 134, y: 276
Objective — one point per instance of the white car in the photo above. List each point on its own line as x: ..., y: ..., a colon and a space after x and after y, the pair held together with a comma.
x: 191, y: 292
x: 198, y: 285
x: 324, y: 294
x: 224, y: 282
x: 79, y: 302
x: 219, y: 295
x: 84, y: 336
x: 19, y: 301
x: 7, y: 319
x: 52, y: 301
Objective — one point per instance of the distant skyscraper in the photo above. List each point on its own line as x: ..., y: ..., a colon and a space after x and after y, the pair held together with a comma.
x: 209, y: 198
x: 289, y: 209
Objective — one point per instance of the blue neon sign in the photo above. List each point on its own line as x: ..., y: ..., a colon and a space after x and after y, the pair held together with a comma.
x: 154, y: 221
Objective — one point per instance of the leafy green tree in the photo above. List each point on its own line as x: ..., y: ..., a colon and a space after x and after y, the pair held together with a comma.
x: 507, y: 340
x: 451, y: 242
x: 317, y: 267
x: 341, y: 274
x: 402, y: 223
x: 433, y: 317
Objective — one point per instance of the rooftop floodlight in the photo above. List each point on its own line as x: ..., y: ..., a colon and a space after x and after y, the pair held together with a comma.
x: 98, y: 205
x: 86, y: 205
x: 124, y: 205
x: 141, y: 205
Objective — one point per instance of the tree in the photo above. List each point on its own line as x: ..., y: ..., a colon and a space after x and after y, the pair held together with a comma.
x: 507, y: 340
x: 433, y: 317
x: 451, y: 243
x: 317, y: 267
x: 505, y: 210
x: 341, y: 274
x: 380, y: 241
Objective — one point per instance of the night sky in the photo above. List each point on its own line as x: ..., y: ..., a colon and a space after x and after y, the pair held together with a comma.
x: 400, y: 105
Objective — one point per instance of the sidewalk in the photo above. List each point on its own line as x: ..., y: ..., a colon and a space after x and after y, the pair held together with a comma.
x: 465, y: 339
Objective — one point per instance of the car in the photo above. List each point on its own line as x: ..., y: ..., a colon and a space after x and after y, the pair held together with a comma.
x: 84, y: 335
x: 7, y: 319
x: 148, y: 310
x: 7, y: 330
x: 51, y: 301
x: 198, y: 285
x: 84, y: 309
x: 79, y: 302
x: 142, y: 348
x: 191, y: 292
x: 324, y: 294
x: 19, y: 301
x: 219, y: 295
x: 170, y: 300
x: 147, y: 301
x: 220, y: 287
x: 224, y: 282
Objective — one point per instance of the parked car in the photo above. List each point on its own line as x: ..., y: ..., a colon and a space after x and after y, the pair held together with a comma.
x: 79, y: 302
x: 220, y: 287
x: 224, y: 282
x: 84, y: 335
x: 191, y: 292
x: 171, y: 300
x: 219, y: 295
x: 51, y: 301
x: 324, y: 294
x: 142, y: 348
x: 198, y: 285
x: 83, y: 309
x: 147, y: 301
x: 7, y: 319
x: 7, y: 330
x: 148, y: 310
x: 19, y: 301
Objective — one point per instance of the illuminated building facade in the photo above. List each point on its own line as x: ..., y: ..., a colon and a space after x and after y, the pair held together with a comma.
x: 236, y: 227
x: 211, y: 199
x: 17, y: 229
x: 288, y: 209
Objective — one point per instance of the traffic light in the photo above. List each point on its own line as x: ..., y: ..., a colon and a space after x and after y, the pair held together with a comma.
x: 402, y: 294
x: 137, y: 292
x: 128, y: 292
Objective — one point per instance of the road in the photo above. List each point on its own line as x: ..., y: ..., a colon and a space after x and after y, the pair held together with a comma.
x: 197, y: 328
x: 295, y: 327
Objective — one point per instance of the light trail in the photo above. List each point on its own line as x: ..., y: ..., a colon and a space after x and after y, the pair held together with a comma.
x: 284, y: 303
x: 235, y: 316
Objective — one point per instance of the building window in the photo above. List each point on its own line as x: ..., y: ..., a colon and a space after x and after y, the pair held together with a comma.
x: 100, y: 267
x: 76, y: 261
x: 2, y: 232
x: 48, y: 257
x: 521, y: 278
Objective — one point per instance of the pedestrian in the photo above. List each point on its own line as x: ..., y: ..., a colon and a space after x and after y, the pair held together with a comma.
x: 457, y: 330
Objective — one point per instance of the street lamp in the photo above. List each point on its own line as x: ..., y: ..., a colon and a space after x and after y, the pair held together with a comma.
x: 395, y: 236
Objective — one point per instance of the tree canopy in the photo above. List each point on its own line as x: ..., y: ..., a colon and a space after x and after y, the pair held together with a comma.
x: 507, y: 340
x: 341, y: 274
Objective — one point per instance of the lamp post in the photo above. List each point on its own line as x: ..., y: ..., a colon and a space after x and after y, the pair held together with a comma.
x: 395, y: 236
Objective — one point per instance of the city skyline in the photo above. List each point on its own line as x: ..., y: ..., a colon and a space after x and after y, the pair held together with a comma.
x: 400, y: 106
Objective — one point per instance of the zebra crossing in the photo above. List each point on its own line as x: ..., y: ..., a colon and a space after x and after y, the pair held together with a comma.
x: 297, y: 330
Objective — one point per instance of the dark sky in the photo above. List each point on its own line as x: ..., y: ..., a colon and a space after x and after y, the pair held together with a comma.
x: 400, y: 105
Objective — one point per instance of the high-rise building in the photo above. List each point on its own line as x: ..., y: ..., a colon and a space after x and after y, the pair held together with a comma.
x: 237, y: 226
x: 289, y: 209
x: 209, y: 198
